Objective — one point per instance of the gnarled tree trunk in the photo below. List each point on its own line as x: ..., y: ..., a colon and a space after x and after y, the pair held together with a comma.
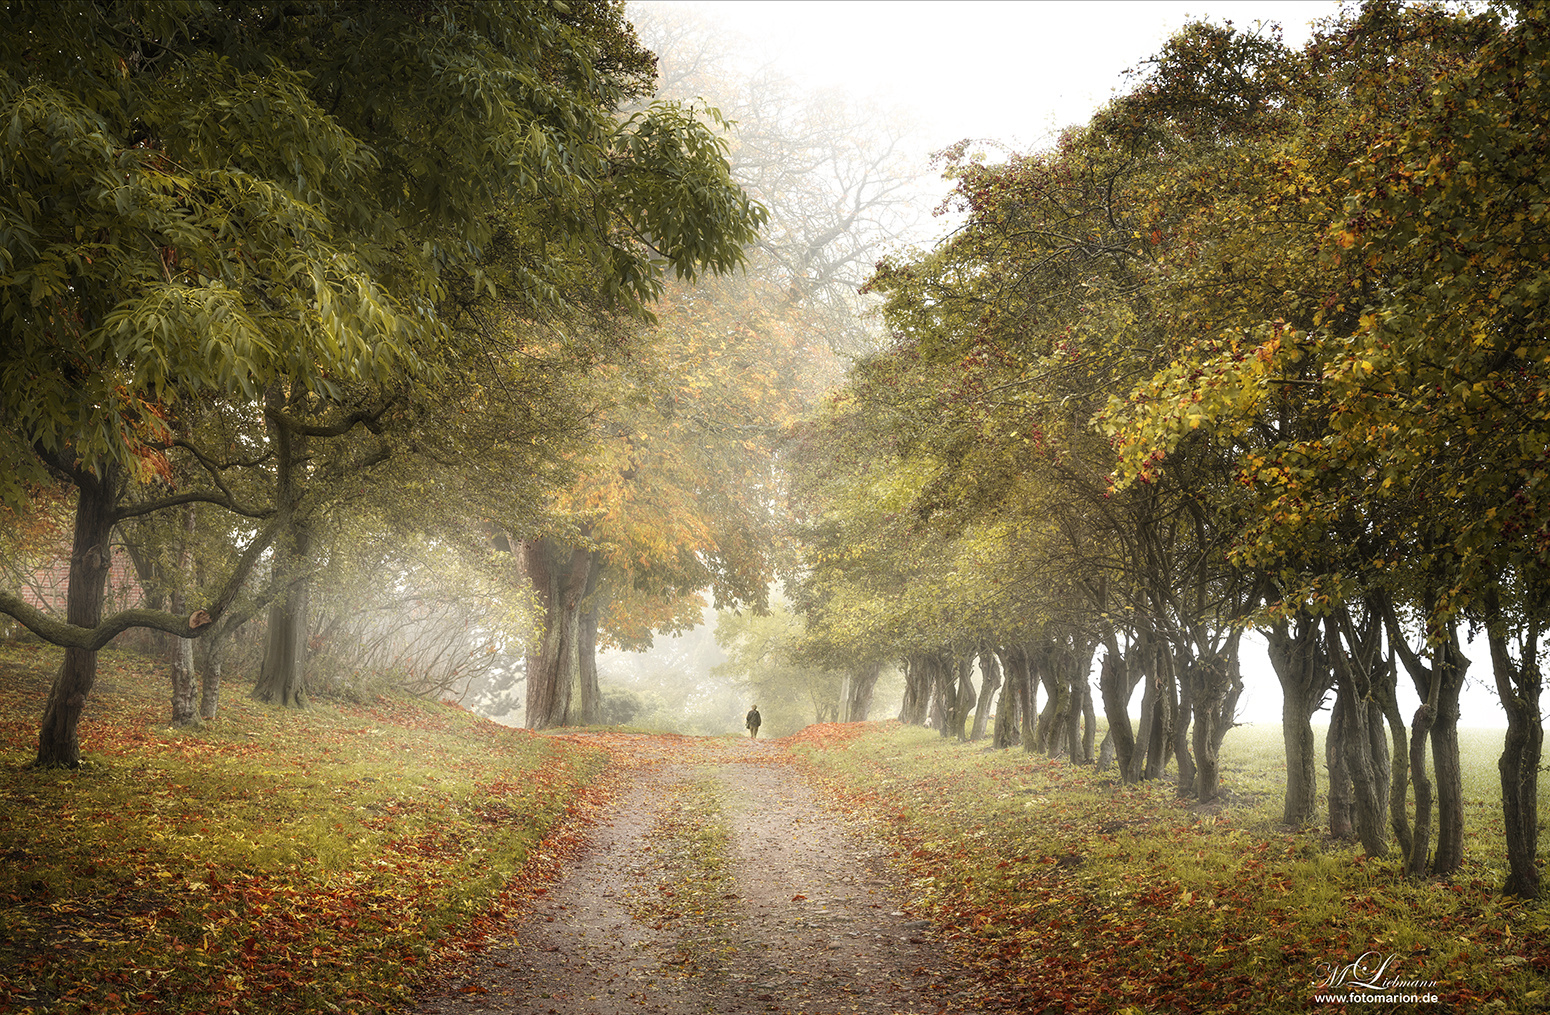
x: 561, y: 662
x: 990, y: 679
x: 918, y: 679
x: 1014, y: 713
x: 1438, y: 684
x: 856, y: 700
x: 1518, y: 683
x: 1342, y: 797
x: 1302, y: 668
x: 1365, y: 745
x: 1180, y: 702
x: 1117, y: 679
x: 1214, y: 690
x: 90, y: 556
x: 964, y: 698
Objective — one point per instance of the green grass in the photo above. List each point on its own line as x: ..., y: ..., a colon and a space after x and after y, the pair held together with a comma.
x: 265, y: 861
x: 326, y: 860
x: 1075, y: 893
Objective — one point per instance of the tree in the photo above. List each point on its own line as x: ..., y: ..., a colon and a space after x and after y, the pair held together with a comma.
x: 215, y: 200
x: 679, y: 491
x: 831, y: 172
x: 681, y: 494
x: 1422, y: 363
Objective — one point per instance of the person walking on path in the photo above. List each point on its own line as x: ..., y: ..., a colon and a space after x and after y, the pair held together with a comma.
x: 752, y: 722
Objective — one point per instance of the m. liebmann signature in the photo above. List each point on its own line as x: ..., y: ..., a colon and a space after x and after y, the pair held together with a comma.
x: 1368, y: 972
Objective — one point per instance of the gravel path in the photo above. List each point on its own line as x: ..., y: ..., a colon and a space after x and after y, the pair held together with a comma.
x: 787, y: 911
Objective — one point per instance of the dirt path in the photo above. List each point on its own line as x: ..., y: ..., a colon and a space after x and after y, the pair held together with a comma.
x: 716, y: 883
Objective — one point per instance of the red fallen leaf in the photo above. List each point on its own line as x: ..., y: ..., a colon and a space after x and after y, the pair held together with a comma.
x: 799, y: 898
x: 473, y: 988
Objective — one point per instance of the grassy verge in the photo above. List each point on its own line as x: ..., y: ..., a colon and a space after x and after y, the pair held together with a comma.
x: 265, y: 862
x: 1076, y: 894
x: 694, y: 881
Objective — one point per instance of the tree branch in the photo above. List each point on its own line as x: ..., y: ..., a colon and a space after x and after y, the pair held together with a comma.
x: 90, y: 639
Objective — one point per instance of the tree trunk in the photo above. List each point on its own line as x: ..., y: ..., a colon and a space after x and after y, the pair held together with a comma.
x: 1372, y: 785
x: 1297, y: 656
x: 1399, y: 771
x: 990, y: 680
x: 944, y: 693
x: 1180, y: 702
x: 1117, y: 679
x: 181, y: 650
x: 1518, y: 684
x: 1052, y: 720
x: 1416, y: 855
x: 1365, y: 746
x: 1027, y: 700
x: 1013, y: 714
x: 1449, y: 775
x: 1146, y: 763
x: 210, y: 675
x: 1210, y: 696
x: 917, y: 690
x: 1438, y: 684
x: 857, y: 699
x: 965, y: 698
x: 185, y: 710
x: 1005, y: 734
x: 282, y: 679
x: 1342, y: 797
x: 1076, y: 664
x: 561, y: 689
x: 589, y: 693
x: 1089, y: 719
x: 1451, y: 664
x: 90, y: 556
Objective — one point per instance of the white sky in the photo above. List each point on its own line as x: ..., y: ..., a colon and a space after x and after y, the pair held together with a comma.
x: 1015, y: 72
x: 1012, y: 70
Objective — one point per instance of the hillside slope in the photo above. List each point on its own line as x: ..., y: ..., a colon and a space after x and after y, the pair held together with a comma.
x: 269, y: 861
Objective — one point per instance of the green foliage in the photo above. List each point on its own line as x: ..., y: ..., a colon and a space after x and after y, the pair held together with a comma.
x: 762, y: 657
x: 219, y: 196
x: 1398, y: 391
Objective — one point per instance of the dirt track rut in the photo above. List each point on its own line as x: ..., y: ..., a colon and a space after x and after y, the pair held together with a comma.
x: 806, y: 918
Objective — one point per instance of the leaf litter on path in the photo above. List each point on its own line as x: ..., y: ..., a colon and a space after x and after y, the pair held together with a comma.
x: 716, y: 882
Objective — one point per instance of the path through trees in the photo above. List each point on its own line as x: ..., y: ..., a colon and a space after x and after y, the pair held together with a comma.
x: 715, y: 884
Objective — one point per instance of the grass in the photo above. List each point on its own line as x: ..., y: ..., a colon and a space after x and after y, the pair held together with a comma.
x: 1076, y: 894
x: 690, y: 843
x: 327, y: 860
x: 265, y: 861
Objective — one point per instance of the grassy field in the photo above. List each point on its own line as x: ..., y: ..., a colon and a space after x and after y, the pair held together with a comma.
x: 328, y: 860
x: 266, y: 862
x: 1076, y: 894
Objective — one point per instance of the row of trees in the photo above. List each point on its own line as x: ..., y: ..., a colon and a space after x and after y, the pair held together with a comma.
x: 321, y: 288
x: 1263, y: 344
x: 412, y: 340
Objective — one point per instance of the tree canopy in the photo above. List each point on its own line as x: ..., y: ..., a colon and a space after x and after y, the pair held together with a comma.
x: 325, y: 209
